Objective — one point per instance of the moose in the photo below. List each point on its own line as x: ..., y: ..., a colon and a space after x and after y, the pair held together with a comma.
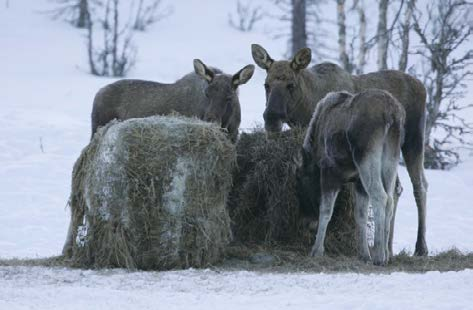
x: 293, y: 91
x: 354, y: 138
x: 207, y: 93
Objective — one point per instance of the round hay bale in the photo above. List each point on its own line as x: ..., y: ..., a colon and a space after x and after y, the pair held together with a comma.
x: 264, y: 204
x: 151, y: 193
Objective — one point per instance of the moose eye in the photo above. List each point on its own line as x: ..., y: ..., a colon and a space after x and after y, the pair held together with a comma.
x: 290, y: 86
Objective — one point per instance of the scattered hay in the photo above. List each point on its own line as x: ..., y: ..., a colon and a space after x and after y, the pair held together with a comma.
x: 53, y: 261
x: 264, y: 205
x: 291, y: 259
x: 288, y: 259
x: 150, y: 194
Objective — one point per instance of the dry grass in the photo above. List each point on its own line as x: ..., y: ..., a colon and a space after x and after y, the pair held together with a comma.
x: 296, y: 259
x: 286, y: 259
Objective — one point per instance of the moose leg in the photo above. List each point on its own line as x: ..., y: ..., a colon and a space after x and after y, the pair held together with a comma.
x: 370, y: 175
x: 397, y: 193
x: 387, y: 225
x: 361, y: 217
x: 414, y: 159
x: 389, y: 179
x: 389, y: 188
x: 379, y: 200
x: 329, y: 192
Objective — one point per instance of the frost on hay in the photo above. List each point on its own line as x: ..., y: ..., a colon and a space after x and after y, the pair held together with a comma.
x: 151, y: 193
x: 264, y: 204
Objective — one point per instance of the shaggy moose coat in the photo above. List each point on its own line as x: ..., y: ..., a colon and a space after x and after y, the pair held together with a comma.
x: 355, y: 138
x: 207, y: 94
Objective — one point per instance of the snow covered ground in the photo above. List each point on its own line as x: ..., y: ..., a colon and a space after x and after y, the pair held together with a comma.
x: 44, y: 288
x: 45, y: 102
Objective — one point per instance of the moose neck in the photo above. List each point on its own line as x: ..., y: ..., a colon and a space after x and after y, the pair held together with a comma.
x: 191, y: 89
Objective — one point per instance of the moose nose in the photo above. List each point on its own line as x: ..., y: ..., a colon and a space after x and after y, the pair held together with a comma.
x: 270, y: 115
x: 276, y: 108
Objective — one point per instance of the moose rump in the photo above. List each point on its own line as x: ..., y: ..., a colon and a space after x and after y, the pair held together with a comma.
x: 355, y: 138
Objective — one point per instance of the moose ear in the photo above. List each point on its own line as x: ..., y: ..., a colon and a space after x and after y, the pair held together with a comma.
x: 261, y: 57
x: 203, y: 71
x: 302, y: 59
x: 243, y: 76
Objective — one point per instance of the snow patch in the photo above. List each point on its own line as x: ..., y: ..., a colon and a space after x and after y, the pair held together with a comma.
x: 110, y: 171
x: 82, y: 230
x: 173, y: 199
x: 173, y: 202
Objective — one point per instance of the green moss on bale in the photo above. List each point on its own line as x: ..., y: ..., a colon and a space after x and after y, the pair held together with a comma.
x: 151, y: 194
x: 264, y: 205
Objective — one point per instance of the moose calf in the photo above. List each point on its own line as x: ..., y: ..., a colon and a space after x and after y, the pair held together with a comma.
x: 354, y: 138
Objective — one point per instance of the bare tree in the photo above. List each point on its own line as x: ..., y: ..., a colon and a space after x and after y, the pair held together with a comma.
x: 353, y: 49
x: 304, y: 20
x: 76, y: 12
x: 405, y: 29
x: 444, y: 35
x: 116, y: 56
x: 363, y: 48
x: 382, y: 35
x: 150, y: 12
x: 351, y: 59
x: 299, y: 33
x: 318, y: 38
x: 247, y: 16
x: 342, y: 36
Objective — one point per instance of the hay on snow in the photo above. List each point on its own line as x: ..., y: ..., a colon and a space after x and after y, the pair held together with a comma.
x: 150, y: 194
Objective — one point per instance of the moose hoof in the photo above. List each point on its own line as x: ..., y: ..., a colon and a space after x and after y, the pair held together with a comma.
x: 379, y: 262
x: 365, y: 259
x: 421, y: 249
x: 316, y: 253
x: 380, y: 259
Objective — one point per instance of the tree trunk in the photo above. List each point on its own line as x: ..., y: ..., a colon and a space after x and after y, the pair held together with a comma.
x: 299, y: 34
x: 342, y: 35
x: 115, y: 67
x: 382, y: 35
x: 362, y: 33
x: 83, y: 20
x: 90, y: 49
x: 405, y: 31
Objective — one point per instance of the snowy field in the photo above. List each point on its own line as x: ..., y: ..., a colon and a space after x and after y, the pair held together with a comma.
x: 45, y: 99
x: 41, y: 288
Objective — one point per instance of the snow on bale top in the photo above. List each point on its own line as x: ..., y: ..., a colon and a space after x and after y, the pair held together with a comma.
x: 150, y: 193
